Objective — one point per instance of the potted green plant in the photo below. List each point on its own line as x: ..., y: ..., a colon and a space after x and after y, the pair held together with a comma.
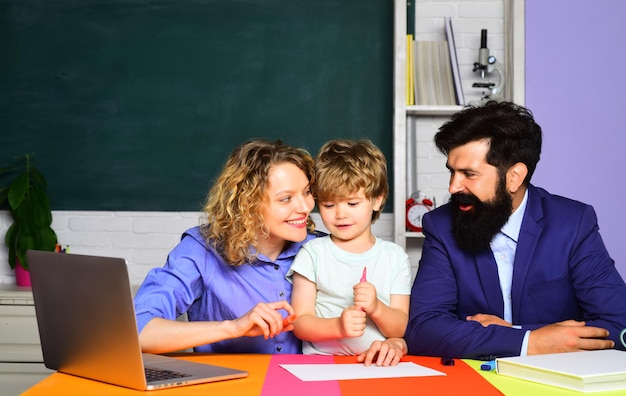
x: 23, y: 187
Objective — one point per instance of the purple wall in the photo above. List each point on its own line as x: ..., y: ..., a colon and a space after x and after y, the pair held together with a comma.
x: 576, y: 87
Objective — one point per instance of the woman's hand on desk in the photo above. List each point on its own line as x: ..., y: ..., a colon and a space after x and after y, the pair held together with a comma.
x: 384, y: 353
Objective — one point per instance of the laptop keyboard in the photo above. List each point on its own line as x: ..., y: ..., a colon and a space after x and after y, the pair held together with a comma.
x: 153, y: 374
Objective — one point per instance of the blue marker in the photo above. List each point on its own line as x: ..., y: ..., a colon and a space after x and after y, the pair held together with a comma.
x: 488, y: 366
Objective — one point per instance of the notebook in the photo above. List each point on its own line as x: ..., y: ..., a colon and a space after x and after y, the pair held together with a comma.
x: 86, y: 320
x: 588, y: 371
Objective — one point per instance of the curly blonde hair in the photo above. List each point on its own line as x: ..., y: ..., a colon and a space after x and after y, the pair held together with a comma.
x: 345, y: 166
x: 234, y: 204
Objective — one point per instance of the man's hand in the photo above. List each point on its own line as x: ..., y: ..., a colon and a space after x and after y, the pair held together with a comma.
x: 486, y: 320
x: 568, y: 336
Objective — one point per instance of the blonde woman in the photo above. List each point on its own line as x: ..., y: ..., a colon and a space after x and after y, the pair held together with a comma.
x: 228, y: 274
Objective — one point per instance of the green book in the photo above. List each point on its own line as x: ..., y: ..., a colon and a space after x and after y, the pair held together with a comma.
x: 410, y: 17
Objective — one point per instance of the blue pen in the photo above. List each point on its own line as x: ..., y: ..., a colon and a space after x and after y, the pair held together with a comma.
x: 488, y: 366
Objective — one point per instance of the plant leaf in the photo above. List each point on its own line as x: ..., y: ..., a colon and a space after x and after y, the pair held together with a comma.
x: 39, y: 207
x: 9, y: 240
x: 37, y: 178
x: 24, y: 242
x: 45, y: 239
x: 17, y: 190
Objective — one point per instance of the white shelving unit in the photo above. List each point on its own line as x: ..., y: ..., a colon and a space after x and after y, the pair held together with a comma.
x: 432, y: 110
x: 21, y: 361
x: 513, y: 20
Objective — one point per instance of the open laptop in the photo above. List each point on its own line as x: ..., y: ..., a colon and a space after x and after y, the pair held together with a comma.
x: 87, y: 326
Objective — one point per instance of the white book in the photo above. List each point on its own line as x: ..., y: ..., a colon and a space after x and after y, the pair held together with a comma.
x: 454, y: 63
x: 589, y: 371
x: 447, y: 94
x: 433, y: 74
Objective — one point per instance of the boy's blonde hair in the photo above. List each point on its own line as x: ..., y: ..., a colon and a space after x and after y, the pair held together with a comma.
x: 343, y: 167
x: 234, y: 205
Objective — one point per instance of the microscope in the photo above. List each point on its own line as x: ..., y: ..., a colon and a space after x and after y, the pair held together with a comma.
x: 488, y: 65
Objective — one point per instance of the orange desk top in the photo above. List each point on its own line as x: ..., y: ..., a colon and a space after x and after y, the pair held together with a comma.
x: 267, y: 378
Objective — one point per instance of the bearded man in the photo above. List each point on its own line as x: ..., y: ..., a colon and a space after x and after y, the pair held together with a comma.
x: 507, y: 268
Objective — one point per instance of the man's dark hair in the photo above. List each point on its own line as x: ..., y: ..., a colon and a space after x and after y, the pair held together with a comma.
x: 511, y: 130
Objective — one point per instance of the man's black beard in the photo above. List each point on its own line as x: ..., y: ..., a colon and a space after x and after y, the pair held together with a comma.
x: 474, y: 229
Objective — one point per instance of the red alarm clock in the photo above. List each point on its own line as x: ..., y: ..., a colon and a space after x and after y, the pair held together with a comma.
x: 415, y: 210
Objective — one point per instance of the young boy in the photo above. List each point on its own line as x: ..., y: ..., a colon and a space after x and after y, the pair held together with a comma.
x: 351, y: 290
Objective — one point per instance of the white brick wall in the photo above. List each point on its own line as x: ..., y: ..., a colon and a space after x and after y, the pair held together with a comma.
x: 432, y: 175
x: 142, y: 238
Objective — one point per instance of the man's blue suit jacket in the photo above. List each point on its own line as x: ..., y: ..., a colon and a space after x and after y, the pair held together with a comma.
x: 562, y: 271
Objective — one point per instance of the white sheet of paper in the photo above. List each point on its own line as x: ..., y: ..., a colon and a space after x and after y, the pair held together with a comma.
x: 332, y: 372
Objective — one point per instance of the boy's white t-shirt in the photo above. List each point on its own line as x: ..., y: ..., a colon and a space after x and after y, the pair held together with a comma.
x: 335, y: 272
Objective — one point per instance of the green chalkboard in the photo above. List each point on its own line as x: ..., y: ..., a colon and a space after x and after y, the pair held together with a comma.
x: 135, y: 104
